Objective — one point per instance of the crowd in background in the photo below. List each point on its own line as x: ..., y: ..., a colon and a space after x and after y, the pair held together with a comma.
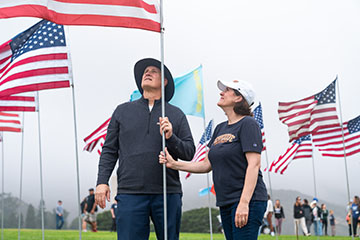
x: 315, y: 214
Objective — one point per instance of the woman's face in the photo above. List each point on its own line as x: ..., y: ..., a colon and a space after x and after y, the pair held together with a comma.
x: 228, y: 98
x: 277, y: 203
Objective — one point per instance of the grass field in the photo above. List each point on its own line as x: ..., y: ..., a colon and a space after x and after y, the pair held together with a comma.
x: 29, y: 234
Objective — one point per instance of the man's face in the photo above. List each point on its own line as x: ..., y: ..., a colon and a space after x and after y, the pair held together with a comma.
x: 151, y: 78
x: 91, y: 192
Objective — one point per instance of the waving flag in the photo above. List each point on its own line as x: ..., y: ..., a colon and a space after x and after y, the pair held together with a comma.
x: 23, y: 102
x: 116, y: 13
x: 97, y: 137
x: 202, y: 148
x: 259, y: 119
x: 10, y: 122
x: 189, y: 93
x: 299, y: 149
x: 329, y: 141
x: 35, y: 59
x: 310, y: 114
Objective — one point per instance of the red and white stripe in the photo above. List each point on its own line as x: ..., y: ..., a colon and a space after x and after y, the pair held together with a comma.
x: 10, y: 122
x: 98, y: 136
x: 305, y: 116
x: 263, y: 139
x: 200, y: 154
x: 294, y: 152
x: 329, y: 141
x: 24, y: 102
x: 117, y: 13
x: 40, y: 69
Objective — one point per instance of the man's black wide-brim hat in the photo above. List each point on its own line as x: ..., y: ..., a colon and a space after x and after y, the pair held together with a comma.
x: 139, y: 69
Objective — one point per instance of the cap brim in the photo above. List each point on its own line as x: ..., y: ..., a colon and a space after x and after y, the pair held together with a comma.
x: 221, y: 85
x: 139, y: 69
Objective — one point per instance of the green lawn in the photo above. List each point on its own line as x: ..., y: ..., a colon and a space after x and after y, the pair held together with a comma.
x: 30, y: 234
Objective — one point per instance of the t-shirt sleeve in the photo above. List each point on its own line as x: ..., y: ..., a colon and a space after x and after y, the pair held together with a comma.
x: 250, y: 136
x: 213, y: 137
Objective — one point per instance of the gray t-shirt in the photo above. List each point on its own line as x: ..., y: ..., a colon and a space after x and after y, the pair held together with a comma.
x: 228, y: 146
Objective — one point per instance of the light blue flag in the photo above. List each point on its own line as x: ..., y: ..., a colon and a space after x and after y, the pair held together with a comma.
x: 204, y: 191
x: 188, y: 94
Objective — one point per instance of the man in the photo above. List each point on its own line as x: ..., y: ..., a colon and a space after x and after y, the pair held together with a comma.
x: 134, y: 137
x: 59, y: 215
x: 90, y: 210
x: 316, y: 212
x: 113, y: 211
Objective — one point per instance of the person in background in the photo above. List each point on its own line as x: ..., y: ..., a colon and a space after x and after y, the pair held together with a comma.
x: 355, y: 213
x: 113, y: 211
x: 235, y: 159
x: 279, y: 216
x: 268, y: 215
x: 82, y: 208
x: 332, y: 223
x: 299, y: 219
x: 90, y: 210
x: 316, y: 212
x: 59, y: 215
x: 324, y: 218
x: 307, y: 214
x: 348, y: 221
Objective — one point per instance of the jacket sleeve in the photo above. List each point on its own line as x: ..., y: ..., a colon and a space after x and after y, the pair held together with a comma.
x: 282, y: 213
x: 110, y: 151
x: 181, y: 143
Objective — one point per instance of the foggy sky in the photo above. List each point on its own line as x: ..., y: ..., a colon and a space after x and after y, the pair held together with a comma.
x: 287, y: 49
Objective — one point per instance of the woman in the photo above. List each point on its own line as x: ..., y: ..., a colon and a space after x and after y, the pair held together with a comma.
x: 279, y: 216
x: 234, y: 157
x: 324, y: 219
x: 355, y: 212
x: 299, y: 219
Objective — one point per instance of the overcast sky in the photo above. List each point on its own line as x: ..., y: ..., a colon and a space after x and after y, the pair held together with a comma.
x: 288, y: 50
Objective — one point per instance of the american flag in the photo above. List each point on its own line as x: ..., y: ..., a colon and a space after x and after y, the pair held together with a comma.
x: 310, y: 114
x: 299, y: 149
x: 23, y: 102
x: 35, y: 59
x: 202, y: 148
x: 259, y: 119
x: 97, y: 138
x: 116, y: 13
x: 10, y: 122
x: 329, y: 141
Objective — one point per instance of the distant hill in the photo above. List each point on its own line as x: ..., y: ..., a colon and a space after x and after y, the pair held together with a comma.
x: 287, y: 199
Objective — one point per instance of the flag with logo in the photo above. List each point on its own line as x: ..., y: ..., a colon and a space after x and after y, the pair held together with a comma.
x: 116, y: 13
x: 36, y: 59
x: 310, y: 114
x: 330, y: 142
x: 97, y: 138
x: 22, y: 102
x: 188, y: 94
x: 299, y: 149
x: 202, y: 148
x: 259, y: 119
x: 10, y: 122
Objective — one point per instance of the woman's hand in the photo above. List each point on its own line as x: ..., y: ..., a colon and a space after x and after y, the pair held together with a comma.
x: 167, y: 159
x: 241, y: 215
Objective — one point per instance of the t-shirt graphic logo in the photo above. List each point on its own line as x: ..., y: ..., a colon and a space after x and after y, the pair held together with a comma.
x: 224, y: 138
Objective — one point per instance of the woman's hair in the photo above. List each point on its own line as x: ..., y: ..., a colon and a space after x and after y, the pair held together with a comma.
x: 306, y: 201
x: 357, y: 200
x: 242, y: 107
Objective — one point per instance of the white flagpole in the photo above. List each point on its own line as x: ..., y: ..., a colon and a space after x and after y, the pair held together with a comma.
x: 345, y: 160
x: 2, y: 187
x: 208, y: 186
x: 41, y: 175
x: 313, y: 166
x: 21, y: 171
x: 163, y: 114
x: 75, y: 132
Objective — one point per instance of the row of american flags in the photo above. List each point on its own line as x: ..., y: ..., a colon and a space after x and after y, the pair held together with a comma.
x: 37, y: 59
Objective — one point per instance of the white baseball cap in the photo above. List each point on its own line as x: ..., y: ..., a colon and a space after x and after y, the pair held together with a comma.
x: 243, y: 87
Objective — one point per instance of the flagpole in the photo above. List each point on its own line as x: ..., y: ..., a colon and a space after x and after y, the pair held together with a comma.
x: 41, y: 175
x: 21, y: 172
x: 163, y: 114
x: 208, y: 186
x: 2, y: 187
x: 313, y: 166
x: 75, y: 132
x: 345, y: 160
